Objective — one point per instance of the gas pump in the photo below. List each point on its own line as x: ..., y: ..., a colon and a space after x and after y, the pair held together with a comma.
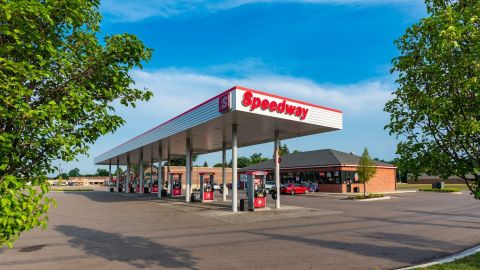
x: 206, y: 186
x: 137, y: 184
x: 120, y: 183
x: 153, y: 183
x: 256, y: 195
x: 131, y: 184
x: 154, y: 187
x: 175, y: 184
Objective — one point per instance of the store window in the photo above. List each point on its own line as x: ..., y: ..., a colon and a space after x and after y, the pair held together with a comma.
x: 348, y: 175
x: 329, y: 177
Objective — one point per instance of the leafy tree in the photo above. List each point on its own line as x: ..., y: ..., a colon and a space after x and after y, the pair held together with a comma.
x: 117, y: 171
x: 243, y: 162
x: 182, y: 161
x: 205, y: 164
x: 102, y: 172
x: 283, y: 150
x: 58, y: 82
x: 436, y: 107
x: 366, y: 170
x: 296, y: 151
x: 63, y: 176
x: 74, y: 172
x: 218, y: 165
x: 256, y: 158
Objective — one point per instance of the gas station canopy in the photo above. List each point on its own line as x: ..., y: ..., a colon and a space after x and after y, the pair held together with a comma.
x: 257, y: 116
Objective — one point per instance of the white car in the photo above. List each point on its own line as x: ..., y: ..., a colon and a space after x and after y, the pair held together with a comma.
x: 269, y: 186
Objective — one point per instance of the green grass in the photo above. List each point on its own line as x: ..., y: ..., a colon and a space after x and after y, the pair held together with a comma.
x: 445, y: 190
x: 424, y: 186
x: 369, y: 196
x: 468, y: 263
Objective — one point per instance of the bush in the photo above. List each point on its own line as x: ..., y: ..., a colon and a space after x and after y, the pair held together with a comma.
x: 369, y: 196
x: 446, y: 190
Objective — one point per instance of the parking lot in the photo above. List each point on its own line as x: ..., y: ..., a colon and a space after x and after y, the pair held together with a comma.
x: 100, y: 230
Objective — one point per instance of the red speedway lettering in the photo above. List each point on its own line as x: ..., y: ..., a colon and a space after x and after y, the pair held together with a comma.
x: 249, y: 100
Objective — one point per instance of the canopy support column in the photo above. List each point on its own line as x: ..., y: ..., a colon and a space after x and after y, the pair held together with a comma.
x: 117, y: 183
x: 169, y: 184
x: 234, y: 168
x: 110, y: 171
x: 150, y: 185
x: 276, y: 152
x: 188, y: 172
x: 159, y: 172
x: 140, y: 172
x: 224, y: 172
x: 127, y: 179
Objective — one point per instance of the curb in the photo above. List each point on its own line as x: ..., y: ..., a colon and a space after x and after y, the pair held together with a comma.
x: 375, y: 199
x: 448, y: 259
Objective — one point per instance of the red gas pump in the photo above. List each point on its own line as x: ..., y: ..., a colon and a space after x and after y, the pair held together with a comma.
x: 155, y: 188
x: 153, y: 183
x: 175, y: 184
x: 257, y: 196
x: 206, y: 186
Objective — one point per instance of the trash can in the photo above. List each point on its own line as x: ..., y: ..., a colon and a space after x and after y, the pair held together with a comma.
x: 112, y: 189
x: 243, y: 204
x: 164, y: 193
x: 438, y: 185
x: 132, y: 190
x: 146, y: 190
x: 356, y: 190
x: 120, y: 188
x: 193, y: 197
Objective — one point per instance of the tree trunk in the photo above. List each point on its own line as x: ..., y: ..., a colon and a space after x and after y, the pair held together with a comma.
x: 364, y: 189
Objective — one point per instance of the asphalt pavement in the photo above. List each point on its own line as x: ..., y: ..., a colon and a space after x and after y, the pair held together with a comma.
x: 101, y: 230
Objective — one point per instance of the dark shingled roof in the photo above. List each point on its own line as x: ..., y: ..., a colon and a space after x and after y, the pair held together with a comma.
x: 317, y: 158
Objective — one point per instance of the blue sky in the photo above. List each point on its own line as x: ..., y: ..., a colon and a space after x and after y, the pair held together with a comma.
x: 330, y: 52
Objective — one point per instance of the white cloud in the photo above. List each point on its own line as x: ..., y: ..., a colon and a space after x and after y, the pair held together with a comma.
x: 132, y: 10
x: 177, y: 90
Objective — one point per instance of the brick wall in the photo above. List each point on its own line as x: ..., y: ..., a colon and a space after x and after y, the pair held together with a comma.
x: 330, y: 188
x: 383, y: 181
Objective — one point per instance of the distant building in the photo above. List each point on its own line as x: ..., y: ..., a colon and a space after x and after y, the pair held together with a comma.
x: 333, y: 171
x: 430, y: 179
x: 81, y: 181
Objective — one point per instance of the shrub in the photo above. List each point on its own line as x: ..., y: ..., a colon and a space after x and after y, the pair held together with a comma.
x: 446, y: 190
x: 362, y: 197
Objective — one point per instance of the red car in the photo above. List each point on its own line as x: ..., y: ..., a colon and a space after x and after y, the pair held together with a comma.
x: 293, y: 189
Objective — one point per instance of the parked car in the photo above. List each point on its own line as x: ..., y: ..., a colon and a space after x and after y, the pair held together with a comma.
x: 293, y: 189
x: 269, y: 186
